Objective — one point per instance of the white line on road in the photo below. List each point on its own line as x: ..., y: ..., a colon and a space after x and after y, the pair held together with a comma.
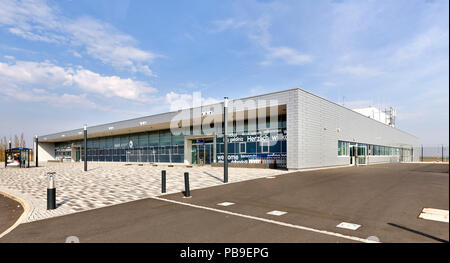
x: 225, y: 204
x: 364, y: 240
x: 350, y: 226
x: 276, y: 213
x: 434, y: 214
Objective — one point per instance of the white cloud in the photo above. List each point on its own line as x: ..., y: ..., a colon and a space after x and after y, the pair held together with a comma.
x: 178, y: 101
x: 286, y: 54
x: 226, y: 24
x: 39, y: 95
x: 76, y: 54
x: 31, y: 74
x: 359, y: 71
x: 258, y: 32
x: 37, y: 21
x: 104, y: 42
x: 27, y: 72
x: 429, y: 40
x: 329, y: 84
x: 110, y: 86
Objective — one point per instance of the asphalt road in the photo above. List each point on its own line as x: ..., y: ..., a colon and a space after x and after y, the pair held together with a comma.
x: 10, y: 211
x: 384, y: 199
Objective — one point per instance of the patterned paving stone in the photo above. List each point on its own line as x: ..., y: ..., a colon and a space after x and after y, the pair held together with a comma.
x: 106, y: 184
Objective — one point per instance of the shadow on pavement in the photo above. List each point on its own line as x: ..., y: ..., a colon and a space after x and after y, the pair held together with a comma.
x: 418, y: 232
x: 63, y: 202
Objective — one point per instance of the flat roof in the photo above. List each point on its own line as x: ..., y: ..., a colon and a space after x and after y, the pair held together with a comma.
x: 157, y: 121
x: 135, y: 125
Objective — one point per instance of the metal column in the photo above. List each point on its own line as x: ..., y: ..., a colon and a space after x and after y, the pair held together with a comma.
x: 225, y: 140
x: 85, y: 147
x: 37, y: 151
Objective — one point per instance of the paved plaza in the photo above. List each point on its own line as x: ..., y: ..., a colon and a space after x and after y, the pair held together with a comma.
x: 106, y: 184
x: 384, y: 201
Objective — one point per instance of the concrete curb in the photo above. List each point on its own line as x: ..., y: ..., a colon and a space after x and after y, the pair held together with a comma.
x: 26, y: 209
x: 429, y: 162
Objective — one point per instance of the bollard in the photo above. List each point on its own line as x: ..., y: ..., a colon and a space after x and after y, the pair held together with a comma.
x: 163, y: 181
x: 187, y: 193
x: 51, y: 191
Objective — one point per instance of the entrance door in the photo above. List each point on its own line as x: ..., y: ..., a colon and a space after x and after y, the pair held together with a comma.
x: 77, y: 154
x: 362, y: 154
x: 208, y: 153
x: 405, y: 155
x: 194, y: 154
x: 352, y: 148
x: 202, y: 153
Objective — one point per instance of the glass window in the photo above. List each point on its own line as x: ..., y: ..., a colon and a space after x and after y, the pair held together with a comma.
x: 251, y: 147
x: 101, y: 143
x: 135, y: 140
x: 242, y: 147
x: 143, y: 139
x: 124, y: 141
x: 165, y: 138
x: 116, y: 142
x: 178, y: 139
x: 231, y: 148
x: 275, y: 147
x: 343, y: 148
x: 264, y: 147
x: 109, y: 143
x: 361, y: 149
x: 219, y: 148
x: 154, y: 138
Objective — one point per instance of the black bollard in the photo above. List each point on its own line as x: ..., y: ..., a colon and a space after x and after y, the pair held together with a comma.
x: 37, y: 151
x: 51, y: 191
x: 163, y: 181
x: 187, y: 192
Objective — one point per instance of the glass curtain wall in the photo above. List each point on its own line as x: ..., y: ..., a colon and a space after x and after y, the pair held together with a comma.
x: 245, y: 145
x: 157, y: 146
x: 258, y: 145
x: 374, y: 150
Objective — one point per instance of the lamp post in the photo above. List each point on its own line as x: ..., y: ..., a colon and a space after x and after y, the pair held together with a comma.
x: 37, y: 150
x: 85, y: 147
x: 225, y: 140
x: 10, y: 145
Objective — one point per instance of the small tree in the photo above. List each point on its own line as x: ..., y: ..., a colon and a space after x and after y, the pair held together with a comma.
x: 16, y: 141
x: 23, y: 144
x: 2, y: 151
x: 3, y: 147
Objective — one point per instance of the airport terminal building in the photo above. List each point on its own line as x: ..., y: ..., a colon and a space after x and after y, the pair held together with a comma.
x: 291, y: 129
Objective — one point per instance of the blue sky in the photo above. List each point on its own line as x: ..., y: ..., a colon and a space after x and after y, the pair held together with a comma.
x: 66, y: 63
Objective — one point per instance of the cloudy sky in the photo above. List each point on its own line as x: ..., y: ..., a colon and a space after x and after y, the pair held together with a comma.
x: 65, y: 63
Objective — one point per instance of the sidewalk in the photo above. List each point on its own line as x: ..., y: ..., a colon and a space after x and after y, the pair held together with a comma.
x: 106, y: 184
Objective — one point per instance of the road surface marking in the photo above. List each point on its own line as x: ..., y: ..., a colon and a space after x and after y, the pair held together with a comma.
x: 276, y: 213
x: 226, y: 204
x: 350, y: 226
x: 434, y: 214
x: 325, y: 232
